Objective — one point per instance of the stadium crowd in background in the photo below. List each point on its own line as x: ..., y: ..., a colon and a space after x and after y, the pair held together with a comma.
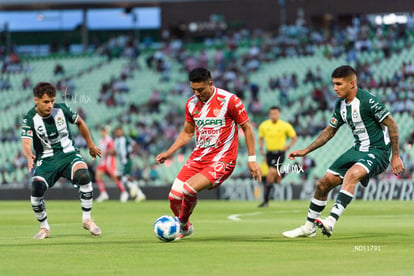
x: 233, y: 69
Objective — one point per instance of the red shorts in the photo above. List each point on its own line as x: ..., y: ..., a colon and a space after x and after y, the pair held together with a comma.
x: 109, y: 167
x: 216, y: 172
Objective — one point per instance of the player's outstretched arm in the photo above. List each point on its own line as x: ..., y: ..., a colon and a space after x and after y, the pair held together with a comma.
x: 183, y: 138
x: 324, y: 137
x: 249, y: 137
x: 396, y: 162
x: 84, y: 131
x: 27, y: 152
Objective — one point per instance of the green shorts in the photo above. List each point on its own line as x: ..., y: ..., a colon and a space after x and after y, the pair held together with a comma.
x: 374, y: 162
x: 50, y: 169
x: 126, y: 168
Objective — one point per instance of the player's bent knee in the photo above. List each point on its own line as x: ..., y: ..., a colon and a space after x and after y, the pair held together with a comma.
x: 189, y: 191
x: 38, y: 188
x: 356, y: 173
x: 81, y: 177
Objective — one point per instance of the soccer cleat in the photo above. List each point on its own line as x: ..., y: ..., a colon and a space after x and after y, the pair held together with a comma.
x: 186, y: 229
x: 91, y: 226
x: 264, y: 204
x: 102, y: 197
x: 140, y: 197
x: 300, y: 232
x: 133, y: 191
x: 43, y: 234
x: 124, y: 197
x: 326, y: 225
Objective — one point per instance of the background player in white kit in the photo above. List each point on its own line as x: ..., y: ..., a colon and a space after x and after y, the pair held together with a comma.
x: 124, y: 147
x: 214, y: 115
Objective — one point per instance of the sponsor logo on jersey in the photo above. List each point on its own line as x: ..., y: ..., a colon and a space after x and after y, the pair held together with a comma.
x: 209, y: 122
x: 210, y: 131
x: 59, y: 121
x: 354, y: 114
x: 359, y: 131
x: 334, y: 121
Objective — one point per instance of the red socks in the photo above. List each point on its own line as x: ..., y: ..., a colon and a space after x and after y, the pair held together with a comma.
x: 189, y: 203
x: 176, y: 201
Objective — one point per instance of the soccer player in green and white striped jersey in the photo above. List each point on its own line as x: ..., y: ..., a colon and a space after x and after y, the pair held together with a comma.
x: 376, y: 137
x: 124, y: 146
x: 46, y: 127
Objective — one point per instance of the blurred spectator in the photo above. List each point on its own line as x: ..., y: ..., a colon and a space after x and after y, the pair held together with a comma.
x: 26, y: 83
x: 59, y: 70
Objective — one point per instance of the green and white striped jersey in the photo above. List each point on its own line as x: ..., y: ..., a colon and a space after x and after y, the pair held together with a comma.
x: 364, y: 116
x: 50, y: 135
x: 123, y: 148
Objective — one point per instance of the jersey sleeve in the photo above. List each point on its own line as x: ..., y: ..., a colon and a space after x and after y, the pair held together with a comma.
x: 336, y: 119
x: 70, y: 115
x: 188, y: 116
x: 27, y: 128
x: 377, y: 109
x: 237, y: 111
x: 290, y: 131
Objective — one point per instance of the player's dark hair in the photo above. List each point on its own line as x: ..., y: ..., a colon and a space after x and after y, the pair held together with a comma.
x: 199, y: 75
x: 275, y: 107
x: 42, y: 88
x: 343, y: 71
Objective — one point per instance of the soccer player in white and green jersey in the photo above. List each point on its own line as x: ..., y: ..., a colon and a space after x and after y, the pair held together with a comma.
x: 376, y: 137
x: 124, y: 148
x: 46, y: 127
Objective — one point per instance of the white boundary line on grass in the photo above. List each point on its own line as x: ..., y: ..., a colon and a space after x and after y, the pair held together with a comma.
x: 235, y: 217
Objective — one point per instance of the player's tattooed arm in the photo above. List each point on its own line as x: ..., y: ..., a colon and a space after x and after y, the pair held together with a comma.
x: 397, y: 165
x: 324, y: 137
x: 393, y: 133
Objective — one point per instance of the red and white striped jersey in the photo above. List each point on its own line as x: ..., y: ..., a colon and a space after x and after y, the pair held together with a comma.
x: 216, y: 123
x: 106, y: 144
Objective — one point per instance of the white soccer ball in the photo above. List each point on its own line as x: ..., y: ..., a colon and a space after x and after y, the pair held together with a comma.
x: 166, y: 228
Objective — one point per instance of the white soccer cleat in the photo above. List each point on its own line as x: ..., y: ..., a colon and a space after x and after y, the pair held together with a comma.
x: 91, y: 226
x: 133, y: 191
x: 326, y: 224
x: 140, y: 197
x: 301, y: 232
x: 185, y: 229
x: 124, y: 197
x: 102, y: 197
x: 43, y: 234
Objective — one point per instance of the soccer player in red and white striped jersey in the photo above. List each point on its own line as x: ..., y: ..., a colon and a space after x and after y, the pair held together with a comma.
x: 214, y: 115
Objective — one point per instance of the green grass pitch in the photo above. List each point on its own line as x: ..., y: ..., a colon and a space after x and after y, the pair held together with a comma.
x: 371, y: 238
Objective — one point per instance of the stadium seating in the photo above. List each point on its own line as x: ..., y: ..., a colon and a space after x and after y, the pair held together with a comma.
x: 89, y: 72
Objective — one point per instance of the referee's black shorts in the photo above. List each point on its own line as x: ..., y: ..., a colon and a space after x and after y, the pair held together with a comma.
x: 275, y: 158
